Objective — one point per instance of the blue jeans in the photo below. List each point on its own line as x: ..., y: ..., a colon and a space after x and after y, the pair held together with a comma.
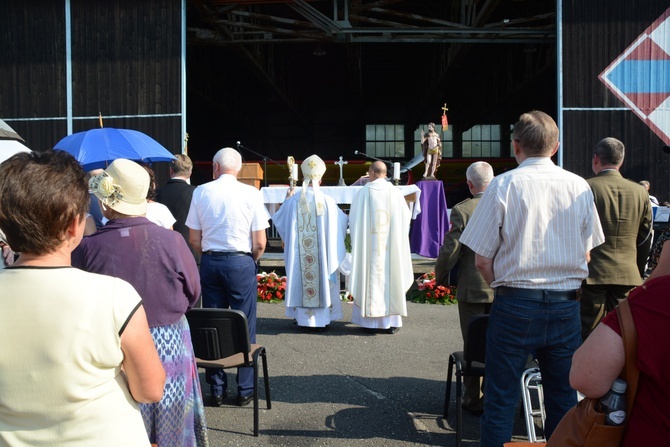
x: 518, y: 327
x: 230, y: 282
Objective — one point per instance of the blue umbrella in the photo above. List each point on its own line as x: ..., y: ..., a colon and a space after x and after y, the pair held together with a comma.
x: 96, y: 148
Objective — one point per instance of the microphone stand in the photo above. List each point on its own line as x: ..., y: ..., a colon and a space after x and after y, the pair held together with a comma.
x: 265, y: 161
x: 374, y: 158
x: 387, y: 162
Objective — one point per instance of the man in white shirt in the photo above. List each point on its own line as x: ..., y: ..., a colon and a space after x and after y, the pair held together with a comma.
x: 532, y: 233
x: 227, y: 222
x: 381, y: 269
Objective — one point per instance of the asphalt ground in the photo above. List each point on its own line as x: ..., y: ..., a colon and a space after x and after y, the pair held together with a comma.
x: 347, y: 387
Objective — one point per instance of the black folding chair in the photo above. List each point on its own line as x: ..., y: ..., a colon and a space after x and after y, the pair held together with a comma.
x: 221, y: 340
x: 469, y: 363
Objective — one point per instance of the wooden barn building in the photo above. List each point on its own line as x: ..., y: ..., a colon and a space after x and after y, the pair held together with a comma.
x: 336, y: 77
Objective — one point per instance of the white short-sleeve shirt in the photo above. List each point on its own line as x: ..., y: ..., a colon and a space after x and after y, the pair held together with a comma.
x: 160, y: 215
x: 227, y: 212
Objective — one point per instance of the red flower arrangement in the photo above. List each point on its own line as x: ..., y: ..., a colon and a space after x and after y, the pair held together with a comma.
x: 271, y: 287
x: 426, y: 291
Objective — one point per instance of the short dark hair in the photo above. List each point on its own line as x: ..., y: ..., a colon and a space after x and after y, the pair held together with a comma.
x: 536, y: 133
x: 41, y: 193
x: 182, y: 165
x: 610, y: 151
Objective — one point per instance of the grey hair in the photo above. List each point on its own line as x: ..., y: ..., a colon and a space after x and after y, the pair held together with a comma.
x: 228, y: 159
x: 610, y: 151
x: 480, y: 173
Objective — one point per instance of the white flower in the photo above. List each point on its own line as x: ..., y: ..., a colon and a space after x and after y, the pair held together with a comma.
x: 106, y: 186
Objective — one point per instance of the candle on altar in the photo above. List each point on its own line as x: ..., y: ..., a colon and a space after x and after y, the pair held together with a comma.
x: 294, y: 172
x: 396, y: 171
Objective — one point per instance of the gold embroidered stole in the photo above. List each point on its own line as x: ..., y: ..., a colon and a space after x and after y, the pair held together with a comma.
x: 308, y: 252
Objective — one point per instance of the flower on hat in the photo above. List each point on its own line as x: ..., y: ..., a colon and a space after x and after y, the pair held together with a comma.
x: 104, y: 185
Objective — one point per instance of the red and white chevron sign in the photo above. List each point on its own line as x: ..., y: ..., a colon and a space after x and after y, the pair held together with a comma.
x: 640, y: 77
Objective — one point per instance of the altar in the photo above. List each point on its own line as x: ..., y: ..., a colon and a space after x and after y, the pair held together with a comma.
x: 427, y: 233
x: 273, y: 196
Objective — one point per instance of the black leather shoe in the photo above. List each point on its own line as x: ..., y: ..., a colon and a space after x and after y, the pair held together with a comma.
x: 476, y: 413
x: 243, y: 401
x: 217, y: 400
x: 393, y: 330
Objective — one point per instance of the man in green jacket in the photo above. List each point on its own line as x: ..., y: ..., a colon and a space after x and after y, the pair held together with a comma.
x: 625, y: 215
x: 473, y: 293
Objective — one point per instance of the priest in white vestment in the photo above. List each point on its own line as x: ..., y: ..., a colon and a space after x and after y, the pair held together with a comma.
x: 381, y: 270
x: 313, y: 228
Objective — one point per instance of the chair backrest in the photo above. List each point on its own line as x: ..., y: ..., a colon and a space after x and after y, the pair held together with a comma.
x: 475, y: 346
x: 218, y: 333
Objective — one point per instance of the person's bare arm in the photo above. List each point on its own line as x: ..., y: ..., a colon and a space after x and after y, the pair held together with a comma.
x: 258, y: 242
x: 145, y: 372
x: 597, y: 362
x: 485, y: 267
x: 90, y: 227
x: 663, y: 266
x: 195, y: 239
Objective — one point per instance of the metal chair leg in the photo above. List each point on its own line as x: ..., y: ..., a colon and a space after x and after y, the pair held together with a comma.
x: 256, y: 398
x: 266, y: 379
x: 459, y: 408
x: 447, y: 394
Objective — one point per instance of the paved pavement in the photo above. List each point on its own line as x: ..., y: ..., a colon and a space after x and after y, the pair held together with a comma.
x: 346, y: 387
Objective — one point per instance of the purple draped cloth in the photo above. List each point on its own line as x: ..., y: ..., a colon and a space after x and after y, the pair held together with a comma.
x: 429, y: 227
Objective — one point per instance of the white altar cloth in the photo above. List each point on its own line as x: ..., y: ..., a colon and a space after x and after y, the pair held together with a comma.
x: 341, y: 194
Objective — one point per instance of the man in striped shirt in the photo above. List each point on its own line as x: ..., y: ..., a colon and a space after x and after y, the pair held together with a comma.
x: 532, y: 233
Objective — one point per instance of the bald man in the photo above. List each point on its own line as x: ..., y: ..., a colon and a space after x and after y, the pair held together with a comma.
x: 381, y: 270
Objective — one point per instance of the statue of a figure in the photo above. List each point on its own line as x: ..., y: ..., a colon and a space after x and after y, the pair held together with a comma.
x: 431, y: 146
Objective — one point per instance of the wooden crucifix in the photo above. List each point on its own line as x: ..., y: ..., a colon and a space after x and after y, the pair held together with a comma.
x: 445, y: 123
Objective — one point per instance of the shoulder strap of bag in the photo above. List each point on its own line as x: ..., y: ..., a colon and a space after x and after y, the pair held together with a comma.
x: 630, y: 372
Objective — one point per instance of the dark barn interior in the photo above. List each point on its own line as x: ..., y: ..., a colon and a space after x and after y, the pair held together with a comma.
x: 284, y: 77
x: 301, y: 77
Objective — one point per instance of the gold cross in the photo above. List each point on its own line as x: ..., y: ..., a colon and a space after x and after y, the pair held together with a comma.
x: 444, y: 109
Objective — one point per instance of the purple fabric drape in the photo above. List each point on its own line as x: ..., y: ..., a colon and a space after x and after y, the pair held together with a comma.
x: 427, y: 233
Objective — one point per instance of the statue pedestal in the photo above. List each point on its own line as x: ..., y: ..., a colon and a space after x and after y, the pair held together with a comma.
x: 429, y: 227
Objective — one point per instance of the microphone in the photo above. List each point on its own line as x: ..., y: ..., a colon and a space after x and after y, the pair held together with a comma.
x: 355, y: 152
x: 239, y: 145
